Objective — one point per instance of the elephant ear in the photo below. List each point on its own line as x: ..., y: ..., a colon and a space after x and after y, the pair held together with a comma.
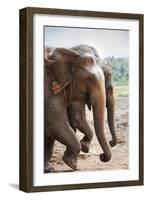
x: 64, y: 69
x: 50, y: 60
x: 49, y: 57
x: 67, y: 51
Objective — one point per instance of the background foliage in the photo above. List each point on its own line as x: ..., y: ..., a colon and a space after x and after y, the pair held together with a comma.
x: 120, y: 69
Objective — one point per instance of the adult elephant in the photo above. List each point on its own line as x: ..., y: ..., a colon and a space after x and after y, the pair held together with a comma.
x: 76, y: 110
x: 72, y: 76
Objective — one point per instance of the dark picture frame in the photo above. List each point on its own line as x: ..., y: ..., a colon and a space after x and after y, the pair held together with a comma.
x: 26, y: 99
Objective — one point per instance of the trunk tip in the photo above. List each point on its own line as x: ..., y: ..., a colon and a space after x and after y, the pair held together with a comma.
x: 113, y: 143
x: 104, y: 157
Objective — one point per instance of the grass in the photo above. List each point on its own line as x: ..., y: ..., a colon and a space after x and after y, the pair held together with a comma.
x: 121, y: 82
x: 122, y: 90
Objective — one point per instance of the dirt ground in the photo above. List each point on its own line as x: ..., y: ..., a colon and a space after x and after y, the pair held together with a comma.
x: 91, y: 161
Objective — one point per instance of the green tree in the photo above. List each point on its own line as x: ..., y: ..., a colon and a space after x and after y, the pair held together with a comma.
x: 120, y: 69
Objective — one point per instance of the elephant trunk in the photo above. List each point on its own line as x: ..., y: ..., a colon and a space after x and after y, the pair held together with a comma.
x: 110, y: 116
x: 98, y: 101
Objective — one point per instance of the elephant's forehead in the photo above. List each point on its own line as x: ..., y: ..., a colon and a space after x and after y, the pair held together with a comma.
x: 87, y: 55
x: 95, y: 70
x: 87, y: 60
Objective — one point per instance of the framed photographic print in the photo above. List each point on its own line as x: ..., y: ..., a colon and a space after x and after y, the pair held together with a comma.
x: 81, y: 99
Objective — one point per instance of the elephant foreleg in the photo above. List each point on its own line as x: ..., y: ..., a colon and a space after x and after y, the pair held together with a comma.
x: 77, y: 119
x: 86, y: 140
x: 67, y: 136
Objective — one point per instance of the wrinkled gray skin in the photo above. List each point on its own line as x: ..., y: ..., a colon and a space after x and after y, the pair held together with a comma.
x: 77, y: 71
x: 76, y: 110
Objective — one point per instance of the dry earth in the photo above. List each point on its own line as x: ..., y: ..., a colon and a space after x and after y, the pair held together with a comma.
x: 91, y: 161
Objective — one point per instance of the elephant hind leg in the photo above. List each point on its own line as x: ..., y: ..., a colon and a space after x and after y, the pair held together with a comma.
x: 48, y: 151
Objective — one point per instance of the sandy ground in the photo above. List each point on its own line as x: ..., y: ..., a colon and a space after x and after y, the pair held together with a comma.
x: 91, y: 161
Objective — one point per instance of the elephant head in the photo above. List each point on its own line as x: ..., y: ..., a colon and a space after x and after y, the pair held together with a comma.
x: 82, y: 70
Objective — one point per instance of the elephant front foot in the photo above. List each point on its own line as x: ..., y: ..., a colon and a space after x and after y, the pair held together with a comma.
x: 85, y: 145
x: 104, y: 157
x: 48, y: 168
x: 70, y: 160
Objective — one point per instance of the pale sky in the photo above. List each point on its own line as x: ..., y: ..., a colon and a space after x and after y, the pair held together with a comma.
x: 107, y: 42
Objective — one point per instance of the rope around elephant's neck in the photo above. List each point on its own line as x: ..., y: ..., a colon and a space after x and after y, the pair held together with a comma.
x: 68, y: 93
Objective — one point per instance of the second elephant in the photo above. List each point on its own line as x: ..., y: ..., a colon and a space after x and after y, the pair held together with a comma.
x: 77, y: 116
x: 76, y: 110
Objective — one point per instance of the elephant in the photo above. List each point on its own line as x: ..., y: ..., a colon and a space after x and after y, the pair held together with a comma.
x: 76, y: 110
x: 71, y: 76
x: 77, y: 117
x: 110, y: 103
